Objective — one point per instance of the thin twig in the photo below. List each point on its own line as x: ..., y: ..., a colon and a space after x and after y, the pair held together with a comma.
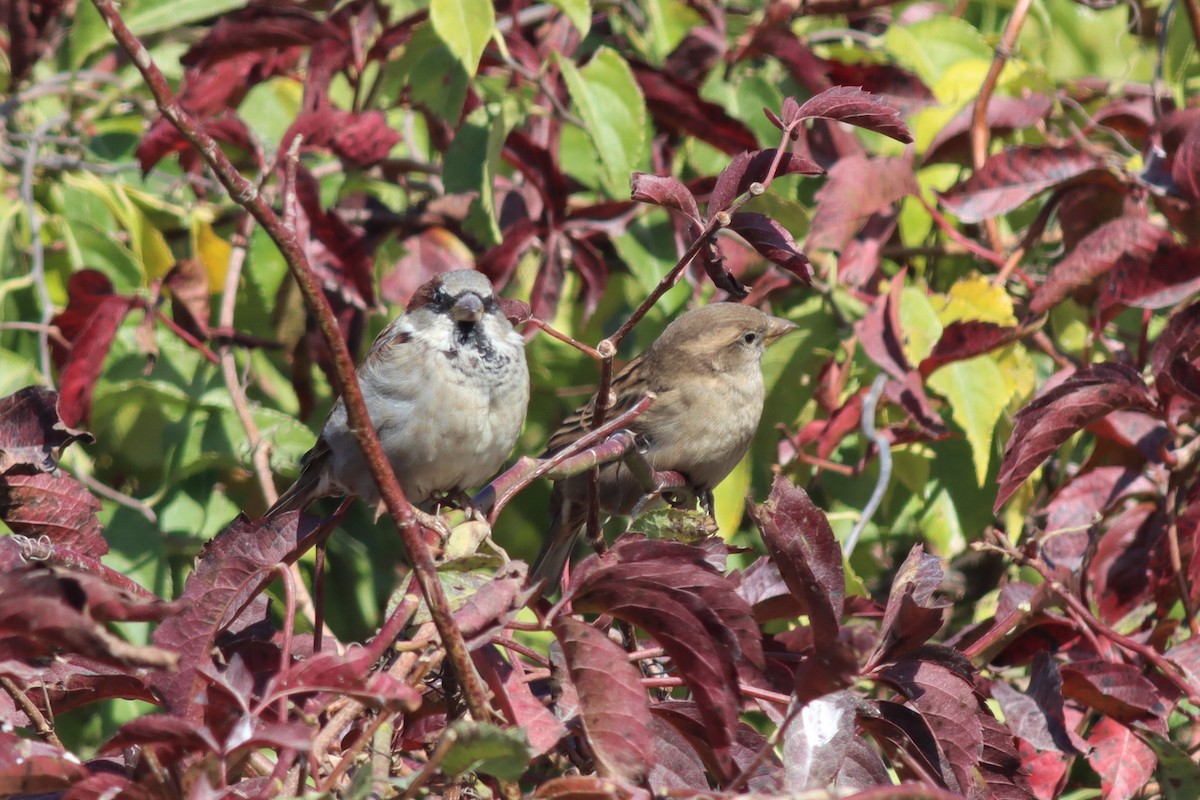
x: 52, y: 331
x: 37, y: 250
x: 885, y: 461
x: 121, y: 499
x: 43, y: 726
x: 979, y: 126
x: 244, y: 193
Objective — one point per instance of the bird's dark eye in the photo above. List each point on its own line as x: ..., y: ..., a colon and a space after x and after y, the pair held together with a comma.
x: 750, y: 337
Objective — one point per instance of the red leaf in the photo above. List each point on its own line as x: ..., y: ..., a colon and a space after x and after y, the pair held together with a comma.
x: 665, y: 190
x: 31, y: 433
x: 1172, y: 356
x: 514, y: 697
x: 30, y: 767
x: 880, y: 332
x: 850, y: 104
x: 1172, y: 275
x: 55, y: 506
x: 164, y: 139
x: 1009, y: 179
x: 1003, y: 114
x: 359, y: 139
x: 257, y: 29
x: 612, y: 702
x: 1132, y: 239
x: 773, y: 241
x: 234, y: 567
x: 90, y: 323
x: 163, y: 733
x: 677, y: 106
x: 1116, y: 690
x: 1000, y: 763
x: 751, y: 167
x: 858, y: 187
x: 748, y: 748
x: 947, y: 702
x: 911, y: 615
x: 801, y: 543
x: 815, y: 744
x: 489, y: 608
x: 1058, y: 413
x: 1185, y: 167
x: 426, y: 254
x: 677, y: 765
x: 962, y: 340
x: 351, y: 674
x: 341, y: 255
x: 697, y: 640
x: 190, y: 296
x: 1123, y: 761
x: 1090, y: 494
x: 1037, y: 715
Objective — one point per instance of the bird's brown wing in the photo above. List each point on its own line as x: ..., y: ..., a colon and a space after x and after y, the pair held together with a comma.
x: 580, y: 422
x: 305, y: 489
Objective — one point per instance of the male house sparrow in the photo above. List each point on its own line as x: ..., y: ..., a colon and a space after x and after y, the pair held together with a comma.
x: 446, y: 386
x: 705, y: 372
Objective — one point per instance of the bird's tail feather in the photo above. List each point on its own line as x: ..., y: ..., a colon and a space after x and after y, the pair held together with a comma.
x: 566, y: 523
x: 298, y: 495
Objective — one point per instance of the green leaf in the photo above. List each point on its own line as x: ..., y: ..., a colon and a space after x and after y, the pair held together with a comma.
x: 432, y: 74
x: 610, y: 102
x: 579, y: 12
x: 482, y: 747
x: 978, y: 394
x: 156, y: 16
x: 471, y: 164
x: 465, y: 26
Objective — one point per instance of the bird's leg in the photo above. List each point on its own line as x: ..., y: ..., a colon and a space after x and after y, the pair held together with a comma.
x: 433, y: 522
x: 706, y: 502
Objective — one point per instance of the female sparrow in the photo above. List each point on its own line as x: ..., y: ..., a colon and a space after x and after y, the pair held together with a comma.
x: 446, y: 386
x: 706, y: 375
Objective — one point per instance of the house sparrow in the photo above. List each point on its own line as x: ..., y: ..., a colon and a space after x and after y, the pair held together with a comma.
x: 446, y: 385
x: 706, y: 376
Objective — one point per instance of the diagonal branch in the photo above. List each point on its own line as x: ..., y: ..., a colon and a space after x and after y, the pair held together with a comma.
x: 244, y: 193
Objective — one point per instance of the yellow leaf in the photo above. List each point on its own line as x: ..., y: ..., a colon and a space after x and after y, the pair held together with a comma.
x: 978, y: 393
x: 919, y: 322
x: 213, y: 252
x: 976, y: 299
x: 729, y: 499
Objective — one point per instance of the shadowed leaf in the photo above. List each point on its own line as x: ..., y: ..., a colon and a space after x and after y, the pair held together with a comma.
x: 1011, y: 178
x: 613, y: 704
x: 31, y: 433
x: 1058, y: 413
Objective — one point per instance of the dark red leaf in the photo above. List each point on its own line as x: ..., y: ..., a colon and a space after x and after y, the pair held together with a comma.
x: 341, y: 255
x: 359, y: 139
x: 1132, y: 239
x: 1011, y: 178
x: 676, y: 763
x: 163, y: 732
x: 751, y: 167
x: 540, y: 167
x: 512, y: 695
x: 31, y: 767
x: 665, y: 190
x: 1122, y: 567
x: 962, y: 340
x: 90, y: 323
x: 164, y: 139
x: 612, y: 702
x: 850, y: 104
x: 1114, y: 689
x: 1123, y: 761
x: 893, y: 85
x: 496, y: 602
x: 1058, y: 413
x: 1088, y: 495
x: 702, y: 647
x: 817, y: 741
x: 750, y: 750
x: 1037, y: 715
x: 1000, y: 763
x: 256, y: 29
x: 1172, y: 358
x: 31, y: 433
x: 1185, y: 167
x: 911, y: 615
x: 677, y: 106
x: 1003, y: 114
x: 773, y: 241
x: 190, y: 296
x: 351, y: 674
x: 905, y: 729
x: 880, y: 332
x: 55, y: 506
x: 499, y: 262
x: 234, y: 567
x: 1172, y: 275
x: 857, y: 188
x: 947, y: 702
x: 801, y: 543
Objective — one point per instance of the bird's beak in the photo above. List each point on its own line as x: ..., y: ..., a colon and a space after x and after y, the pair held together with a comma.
x: 778, y: 327
x: 467, y: 308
